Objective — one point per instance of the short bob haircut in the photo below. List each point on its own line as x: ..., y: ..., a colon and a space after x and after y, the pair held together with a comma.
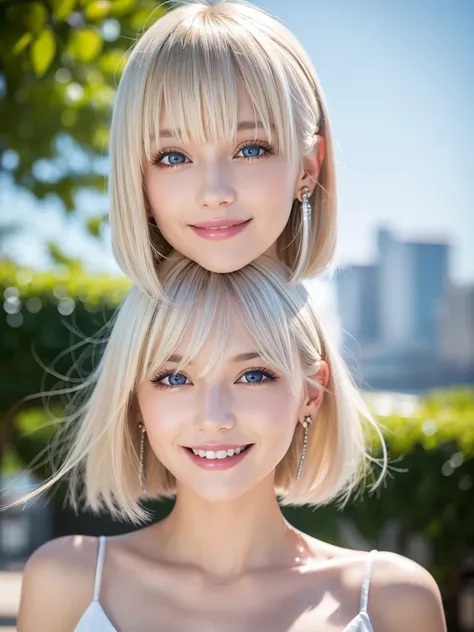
x: 190, y: 62
x: 103, y: 435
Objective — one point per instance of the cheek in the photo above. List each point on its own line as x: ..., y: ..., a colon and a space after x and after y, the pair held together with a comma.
x: 270, y: 191
x: 272, y: 414
x: 165, y: 195
x: 151, y: 185
x: 163, y: 417
x: 274, y: 179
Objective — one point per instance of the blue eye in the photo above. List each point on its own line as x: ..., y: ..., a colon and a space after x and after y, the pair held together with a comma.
x: 256, y: 376
x: 255, y: 150
x: 176, y: 379
x: 252, y: 151
x: 169, y: 380
x: 174, y: 159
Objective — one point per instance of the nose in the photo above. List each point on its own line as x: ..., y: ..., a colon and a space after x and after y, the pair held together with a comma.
x: 216, y: 190
x: 213, y: 413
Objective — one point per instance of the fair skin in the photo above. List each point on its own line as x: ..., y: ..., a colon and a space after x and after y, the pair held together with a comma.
x: 225, y: 559
x: 246, y: 180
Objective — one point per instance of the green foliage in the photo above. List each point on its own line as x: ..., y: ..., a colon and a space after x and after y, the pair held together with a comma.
x: 428, y: 491
x: 44, y: 314
x: 60, y: 61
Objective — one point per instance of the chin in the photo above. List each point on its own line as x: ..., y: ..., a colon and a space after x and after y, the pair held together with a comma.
x: 222, y: 265
x: 217, y: 495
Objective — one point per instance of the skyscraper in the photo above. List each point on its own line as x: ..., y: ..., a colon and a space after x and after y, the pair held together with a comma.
x: 413, y: 278
x: 456, y: 329
x: 390, y: 311
x: 357, y: 297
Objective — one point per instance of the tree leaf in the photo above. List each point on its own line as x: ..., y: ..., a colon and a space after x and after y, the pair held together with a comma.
x: 98, y: 10
x: 113, y: 61
x: 35, y: 16
x: 62, y: 8
x: 23, y: 42
x: 144, y: 18
x: 85, y: 44
x: 43, y: 50
x: 94, y: 224
x: 122, y: 7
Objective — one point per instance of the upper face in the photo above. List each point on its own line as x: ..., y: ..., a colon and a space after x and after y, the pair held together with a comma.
x: 241, y: 402
x: 247, y: 186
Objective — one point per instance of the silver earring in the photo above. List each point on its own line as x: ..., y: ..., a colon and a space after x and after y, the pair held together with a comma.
x: 305, y: 204
x: 141, y: 467
x: 306, y: 423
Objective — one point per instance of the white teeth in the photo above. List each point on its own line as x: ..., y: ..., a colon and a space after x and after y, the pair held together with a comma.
x: 219, y: 454
x: 217, y: 227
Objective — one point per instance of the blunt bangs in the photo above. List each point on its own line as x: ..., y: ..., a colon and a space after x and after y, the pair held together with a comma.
x: 98, y: 443
x: 193, y: 64
x: 194, y: 76
x: 199, y: 308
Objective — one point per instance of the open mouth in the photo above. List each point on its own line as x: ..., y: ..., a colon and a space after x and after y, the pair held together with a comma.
x: 213, y: 455
x: 220, y: 224
x: 222, y: 229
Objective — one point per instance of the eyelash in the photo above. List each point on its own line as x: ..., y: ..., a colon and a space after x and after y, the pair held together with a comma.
x: 166, y: 152
x: 270, y: 375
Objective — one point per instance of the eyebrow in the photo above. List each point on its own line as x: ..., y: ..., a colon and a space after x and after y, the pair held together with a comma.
x: 242, y: 126
x: 241, y: 357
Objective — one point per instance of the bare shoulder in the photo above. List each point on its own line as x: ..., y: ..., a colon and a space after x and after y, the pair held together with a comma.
x: 58, y: 584
x: 404, y: 596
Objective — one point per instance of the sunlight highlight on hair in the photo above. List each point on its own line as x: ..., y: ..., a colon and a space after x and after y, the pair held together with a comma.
x: 103, y: 436
x: 190, y: 64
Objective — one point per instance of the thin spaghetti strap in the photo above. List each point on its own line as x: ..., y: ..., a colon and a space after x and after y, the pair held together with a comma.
x: 99, y: 567
x: 364, y: 597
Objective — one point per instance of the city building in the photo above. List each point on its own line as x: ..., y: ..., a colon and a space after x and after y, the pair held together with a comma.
x: 400, y: 316
x: 412, y: 282
x: 456, y: 328
x: 357, y: 298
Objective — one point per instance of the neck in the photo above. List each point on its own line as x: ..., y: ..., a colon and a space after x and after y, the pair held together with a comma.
x: 227, y: 539
x: 273, y: 251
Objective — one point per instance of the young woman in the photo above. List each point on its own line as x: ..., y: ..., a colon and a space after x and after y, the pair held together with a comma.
x: 229, y: 396
x: 220, y: 147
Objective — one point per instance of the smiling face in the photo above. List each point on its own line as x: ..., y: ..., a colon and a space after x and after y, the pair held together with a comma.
x: 222, y: 204
x: 241, y: 403
x: 193, y: 170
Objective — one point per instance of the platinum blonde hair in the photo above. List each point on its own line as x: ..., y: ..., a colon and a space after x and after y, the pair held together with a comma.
x: 103, y: 458
x: 189, y: 62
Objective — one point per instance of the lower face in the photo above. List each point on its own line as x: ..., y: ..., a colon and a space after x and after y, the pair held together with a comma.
x: 222, y: 205
x: 244, y: 410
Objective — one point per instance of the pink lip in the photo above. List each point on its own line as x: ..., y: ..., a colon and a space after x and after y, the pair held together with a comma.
x: 216, y: 446
x: 218, y: 464
x: 219, y: 222
x: 211, y: 230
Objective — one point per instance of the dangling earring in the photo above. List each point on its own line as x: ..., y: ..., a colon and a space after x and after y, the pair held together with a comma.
x: 306, y: 423
x: 304, y: 231
x: 305, y: 204
x: 141, y: 467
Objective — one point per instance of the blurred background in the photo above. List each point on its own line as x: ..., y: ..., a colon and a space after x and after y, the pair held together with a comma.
x: 398, y: 81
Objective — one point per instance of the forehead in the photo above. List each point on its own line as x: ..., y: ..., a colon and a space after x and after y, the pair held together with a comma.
x: 200, y: 96
x: 246, y: 113
x: 237, y: 340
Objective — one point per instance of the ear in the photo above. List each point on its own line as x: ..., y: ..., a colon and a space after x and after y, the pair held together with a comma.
x: 315, y: 392
x: 311, y: 168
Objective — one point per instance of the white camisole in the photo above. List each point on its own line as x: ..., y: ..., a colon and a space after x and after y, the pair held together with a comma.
x: 94, y: 618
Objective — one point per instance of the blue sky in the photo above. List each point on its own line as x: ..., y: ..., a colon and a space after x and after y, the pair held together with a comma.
x: 398, y: 77
x: 398, y: 80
